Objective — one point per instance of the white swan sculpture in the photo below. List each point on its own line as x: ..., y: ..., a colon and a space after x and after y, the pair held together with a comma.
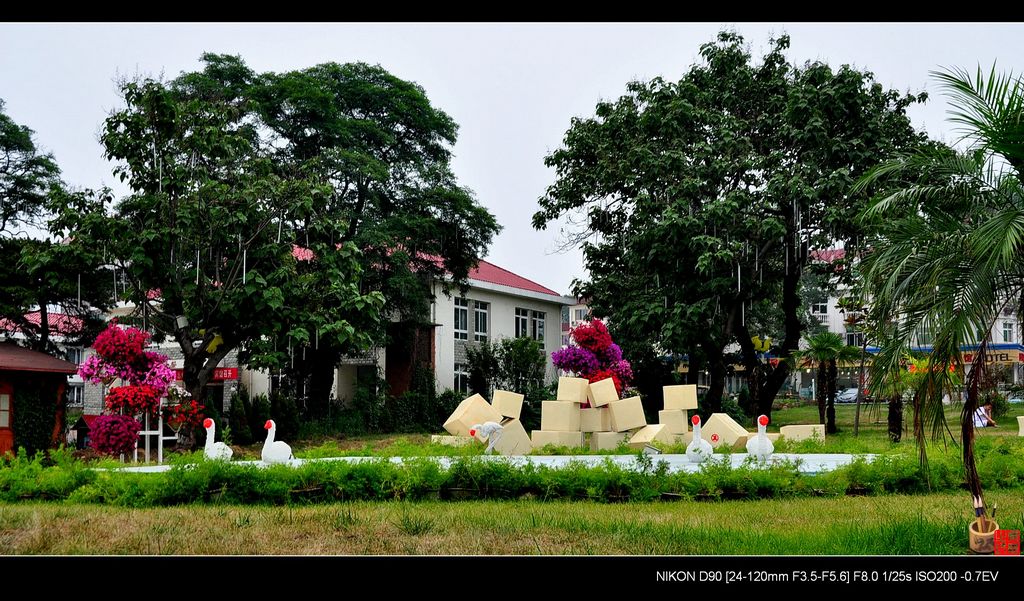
x: 215, y: 450
x: 761, y: 446
x: 275, y: 451
x: 699, y: 449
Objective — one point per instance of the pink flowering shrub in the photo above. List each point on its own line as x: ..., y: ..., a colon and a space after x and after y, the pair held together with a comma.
x: 594, y: 356
x: 114, y: 434
x: 120, y: 354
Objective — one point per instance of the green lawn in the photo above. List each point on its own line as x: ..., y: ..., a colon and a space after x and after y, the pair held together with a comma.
x: 873, y: 437
x: 923, y: 524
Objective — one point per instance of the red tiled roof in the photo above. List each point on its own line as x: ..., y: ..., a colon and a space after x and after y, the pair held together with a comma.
x: 60, y: 323
x: 489, y: 272
x: 828, y: 255
x: 16, y: 358
x: 484, y: 272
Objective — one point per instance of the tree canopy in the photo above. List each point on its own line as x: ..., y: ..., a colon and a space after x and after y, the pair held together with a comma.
x: 277, y: 212
x: 708, y: 195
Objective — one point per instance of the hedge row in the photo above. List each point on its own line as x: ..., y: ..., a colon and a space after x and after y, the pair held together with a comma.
x: 60, y: 477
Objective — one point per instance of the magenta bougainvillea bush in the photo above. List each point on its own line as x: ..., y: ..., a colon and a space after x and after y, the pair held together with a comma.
x: 114, y: 434
x: 594, y: 356
x: 121, y: 355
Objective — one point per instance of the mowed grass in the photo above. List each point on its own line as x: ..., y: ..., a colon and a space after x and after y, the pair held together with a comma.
x: 872, y: 438
x: 900, y: 525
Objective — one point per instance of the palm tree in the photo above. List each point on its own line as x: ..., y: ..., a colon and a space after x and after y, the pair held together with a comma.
x: 827, y: 350
x: 948, y: 250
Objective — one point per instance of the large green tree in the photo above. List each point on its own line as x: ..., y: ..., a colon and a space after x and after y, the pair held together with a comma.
x: 204, y: 240
x: 380, y: 154
x: 26, y: 177
x: 946, y: 255
x: 707, y: 196
x: 38, y: 274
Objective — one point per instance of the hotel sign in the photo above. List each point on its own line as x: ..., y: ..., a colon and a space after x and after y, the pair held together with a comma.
x: 996, y: 357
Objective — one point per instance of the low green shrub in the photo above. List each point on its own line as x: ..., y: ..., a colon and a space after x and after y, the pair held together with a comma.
x: 192, y: 479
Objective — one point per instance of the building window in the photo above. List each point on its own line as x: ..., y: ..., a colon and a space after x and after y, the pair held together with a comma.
x: 76, y: 395
x: 480, y: 320
x: 924, y: 336
x: 537, y: 329
x: 522, y: 323
x: 461, y: 319
x: 855, y: 339
x: 461, y: 377
x: 5, y: 411
x: 819, y: 308
x: 74, y: 354
x: 581, y: 314
x: 1007, y: 331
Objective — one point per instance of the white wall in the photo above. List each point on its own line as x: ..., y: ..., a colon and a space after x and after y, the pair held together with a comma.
x: 501, y: 323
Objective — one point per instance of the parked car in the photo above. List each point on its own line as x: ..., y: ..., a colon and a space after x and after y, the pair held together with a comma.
x: 849, y: 395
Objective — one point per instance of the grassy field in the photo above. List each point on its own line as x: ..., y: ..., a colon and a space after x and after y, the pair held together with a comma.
x: 873, y: 436
x: 901, y: 525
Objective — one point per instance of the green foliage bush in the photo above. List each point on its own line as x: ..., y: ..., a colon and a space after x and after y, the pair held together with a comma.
x: 35, y: 412
x: 194, y: 480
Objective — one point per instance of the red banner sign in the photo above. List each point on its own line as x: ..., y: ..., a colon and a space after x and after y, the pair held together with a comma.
x: 219, y: 374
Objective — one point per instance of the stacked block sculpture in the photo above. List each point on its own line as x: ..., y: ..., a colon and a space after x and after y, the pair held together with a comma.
x: 586, y: 413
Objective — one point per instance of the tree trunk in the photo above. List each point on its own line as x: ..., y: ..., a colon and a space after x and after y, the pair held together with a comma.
x: 830, y: 413
x: 198, y: 370
x: 860, y: 386
x: 821, y: 391
x: 895, y: 418
x: 716, y: 382
x: 321, y: 381
x: 44, y: 328
x: 696, y: 366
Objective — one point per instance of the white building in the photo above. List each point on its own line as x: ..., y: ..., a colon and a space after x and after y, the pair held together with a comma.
x: 497, y: 304
x: 1005, y: 346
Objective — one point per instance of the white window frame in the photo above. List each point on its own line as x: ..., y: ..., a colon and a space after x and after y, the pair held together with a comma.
x: 855, y: 339
x: 819, y: 308
x: 538, y: 318
x: 1008, y: 328
x: 74, y: 354
x: 461, y: 319
x: 77, y: 398
x: 481, y: 311
x: 461, y: 382
x: 522, y: 322
x: 5, y: 410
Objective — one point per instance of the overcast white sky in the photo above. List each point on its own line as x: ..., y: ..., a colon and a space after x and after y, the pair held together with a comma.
x: 512, y: 88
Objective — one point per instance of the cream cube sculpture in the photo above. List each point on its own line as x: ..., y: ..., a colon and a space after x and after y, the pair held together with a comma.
x: 606, y: 441
x: 560, y: 416
x: 722, y: 430
x: 648, y: 434
x: 573, y: 389
x: 674, y: 420
x: 471, y: 411
x: 803, y: 432
x: 560, y: 439
x: 509, y: 404
x: 597, y: 419
x: 514, y: 439
x: 451, y: 441
x: 602, y: 392
x: 627, y: 414
x: 683, y: 396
